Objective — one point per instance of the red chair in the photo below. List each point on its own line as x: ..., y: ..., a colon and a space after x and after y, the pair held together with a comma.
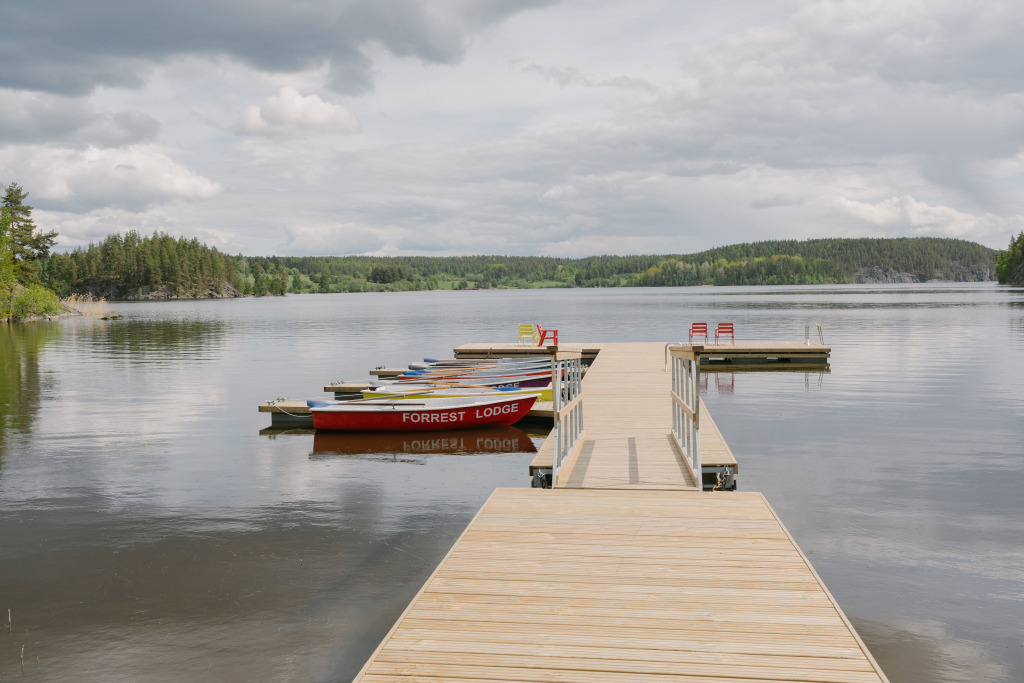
x: 699, y: 330
x: 724, y: 329
x: 547, y: 334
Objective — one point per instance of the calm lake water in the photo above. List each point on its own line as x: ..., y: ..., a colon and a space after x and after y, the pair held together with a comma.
x: 152, y: 528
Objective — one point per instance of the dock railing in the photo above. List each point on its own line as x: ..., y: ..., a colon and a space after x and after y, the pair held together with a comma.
x: 567, y: 386
x: 686, y: 405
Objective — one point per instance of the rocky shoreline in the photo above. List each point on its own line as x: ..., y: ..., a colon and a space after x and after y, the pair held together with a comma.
x: 223, y: 291
x: 877, y: 275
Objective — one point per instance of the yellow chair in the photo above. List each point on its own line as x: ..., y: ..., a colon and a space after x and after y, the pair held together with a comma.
x: 528, y: 335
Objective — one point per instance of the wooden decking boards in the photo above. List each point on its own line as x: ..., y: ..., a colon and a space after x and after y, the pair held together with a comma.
x: 625, y: 571
x: 618, y: 585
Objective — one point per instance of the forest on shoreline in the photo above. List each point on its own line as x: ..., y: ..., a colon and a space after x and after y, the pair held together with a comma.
x: 131, y: 266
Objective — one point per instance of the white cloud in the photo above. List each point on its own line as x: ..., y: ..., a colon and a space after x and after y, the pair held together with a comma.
x: 132, y: 178
x: 289, y: 113
x: 41, y: 117
x: 904, y: 214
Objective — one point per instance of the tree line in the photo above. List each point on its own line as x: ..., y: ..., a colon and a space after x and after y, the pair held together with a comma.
x: 160, y: 266
x: 755, y: 263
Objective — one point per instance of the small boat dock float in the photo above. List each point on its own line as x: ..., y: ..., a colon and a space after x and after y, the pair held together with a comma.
x: 767, y: 354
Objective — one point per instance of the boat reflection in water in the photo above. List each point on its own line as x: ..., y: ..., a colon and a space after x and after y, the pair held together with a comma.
x: 400, y: 446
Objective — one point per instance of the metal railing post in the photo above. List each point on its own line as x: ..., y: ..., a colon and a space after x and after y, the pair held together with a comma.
x: 567, y: 385
x: 686, y: 406
x: 556, y: 396
x: 807, y: 333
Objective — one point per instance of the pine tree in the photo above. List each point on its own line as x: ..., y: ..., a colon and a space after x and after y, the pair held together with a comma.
x: 7, y: 278
x: 26, y: 244
x: 1010, y: 263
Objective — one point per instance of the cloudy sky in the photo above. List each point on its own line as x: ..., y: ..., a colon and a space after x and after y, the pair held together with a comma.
x: 551, y: 127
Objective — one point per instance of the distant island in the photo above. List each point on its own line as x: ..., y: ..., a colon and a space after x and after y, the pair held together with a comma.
x: 163, y: 267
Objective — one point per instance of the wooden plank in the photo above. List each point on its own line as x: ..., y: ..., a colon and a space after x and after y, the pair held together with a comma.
x: 287, y: 407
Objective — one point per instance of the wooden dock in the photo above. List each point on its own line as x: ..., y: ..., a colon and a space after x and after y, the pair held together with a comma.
x: 613, y: 585
x: 625, y: 571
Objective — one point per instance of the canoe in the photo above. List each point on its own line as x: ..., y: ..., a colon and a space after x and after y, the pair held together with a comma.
x: 406, y: 416
x: 482, y: 373
x: 433, y: 391
x: 474, y: 372
x: 470, y: 364
x: 541, y: 380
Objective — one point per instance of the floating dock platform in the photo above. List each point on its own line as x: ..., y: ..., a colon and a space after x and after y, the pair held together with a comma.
x: 767, y: 353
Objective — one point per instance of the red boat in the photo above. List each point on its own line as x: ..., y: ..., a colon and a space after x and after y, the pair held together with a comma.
x: 411, y: 415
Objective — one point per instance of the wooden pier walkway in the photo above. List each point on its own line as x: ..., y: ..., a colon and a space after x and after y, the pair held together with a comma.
x: 625, y: 572
x: 623, y: 585
x: 627, y: 412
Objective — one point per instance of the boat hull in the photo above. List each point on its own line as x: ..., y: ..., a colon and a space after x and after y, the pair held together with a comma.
x: 407, y: 416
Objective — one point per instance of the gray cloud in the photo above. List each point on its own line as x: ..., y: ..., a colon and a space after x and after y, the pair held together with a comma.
x: 72, y: 47
x: 27, y: 117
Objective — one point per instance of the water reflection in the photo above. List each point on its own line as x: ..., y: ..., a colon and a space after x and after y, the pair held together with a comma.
x: 923, y: 651
x: 21, y: 380
x: 159, y: 341
x: 726, y: 382
x: 415, y: 446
